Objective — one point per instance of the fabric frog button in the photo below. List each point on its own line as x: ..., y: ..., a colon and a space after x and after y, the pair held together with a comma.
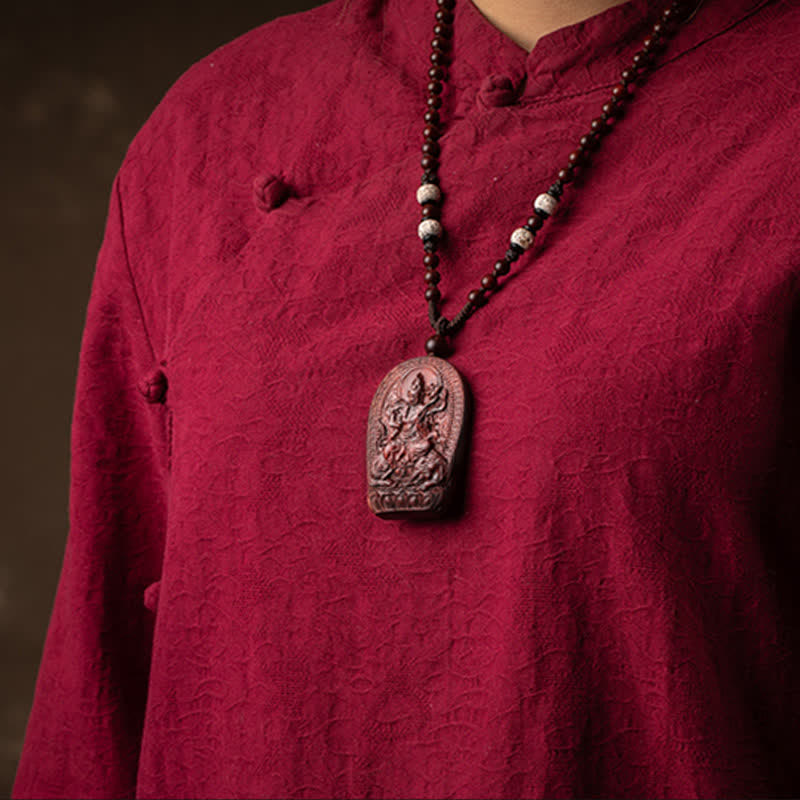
x: 153, y: 386
x: 498, y: 90
x: 269, y: 191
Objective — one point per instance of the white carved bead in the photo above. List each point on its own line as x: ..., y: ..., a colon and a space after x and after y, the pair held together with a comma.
x: 429, y: 227
x: 522, y: 238
x: 428, y: 193
x: 546, y: 203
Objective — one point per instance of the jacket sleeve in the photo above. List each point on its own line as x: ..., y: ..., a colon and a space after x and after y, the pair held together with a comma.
x: 85, y: 727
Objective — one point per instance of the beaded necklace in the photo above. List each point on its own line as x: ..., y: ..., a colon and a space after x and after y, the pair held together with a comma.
x: 418, y: 424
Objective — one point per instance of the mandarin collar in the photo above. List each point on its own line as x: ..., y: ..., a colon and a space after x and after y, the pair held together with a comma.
x: 572, y: 60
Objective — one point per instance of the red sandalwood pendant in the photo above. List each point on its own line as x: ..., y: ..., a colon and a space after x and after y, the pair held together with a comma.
x: 416, y: 439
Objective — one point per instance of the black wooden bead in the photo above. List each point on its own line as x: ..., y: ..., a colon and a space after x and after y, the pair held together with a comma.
x: 476, y: 297
x: 511, y: 255
x: 432, y: 277
x: 440, y: 29
x: 502, y: 267
x: 566, y: 175
x: 489, y: 282
x: 448, y: 4
x: 440, y: 43
x: 430, y: 149
x: 430, y: 211
x: 435, y: 87
x: 445, y: 16
x: 652, y: 44
x: 628, y: 76
x: 431, y: 116
x: 432, y: 293
x: 619, y: 93
x: 436, y: 345
x: 436, y: 73
x: 428, y: 162
x: 431, y: 260
x: 434, y: 101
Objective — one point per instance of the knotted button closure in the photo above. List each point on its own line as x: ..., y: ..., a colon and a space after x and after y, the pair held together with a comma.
x: 154, y: 386
x: 269, y: 191
x: 498, y: 90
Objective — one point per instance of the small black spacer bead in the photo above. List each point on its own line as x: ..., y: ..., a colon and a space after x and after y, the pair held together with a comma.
x: 556, y: 190
x: 530, y: 229
x: 429, y: 177
x: 430, y: 243
x: 535, y: 222
x: 512, y: 255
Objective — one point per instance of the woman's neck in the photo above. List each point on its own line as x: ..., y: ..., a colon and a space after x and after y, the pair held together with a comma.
x: 526, y: 21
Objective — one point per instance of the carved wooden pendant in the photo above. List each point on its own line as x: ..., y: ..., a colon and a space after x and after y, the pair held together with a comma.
x: 416, y: 439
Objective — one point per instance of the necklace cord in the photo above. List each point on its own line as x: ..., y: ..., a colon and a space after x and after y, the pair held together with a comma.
x: 429, y: 195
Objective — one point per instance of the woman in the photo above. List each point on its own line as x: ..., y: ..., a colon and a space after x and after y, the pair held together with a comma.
x: 610, y: 607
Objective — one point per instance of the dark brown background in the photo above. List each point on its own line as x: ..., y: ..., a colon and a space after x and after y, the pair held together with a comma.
x: 77, y: 80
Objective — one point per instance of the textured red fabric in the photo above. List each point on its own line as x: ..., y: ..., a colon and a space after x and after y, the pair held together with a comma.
x: 615, y: 613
